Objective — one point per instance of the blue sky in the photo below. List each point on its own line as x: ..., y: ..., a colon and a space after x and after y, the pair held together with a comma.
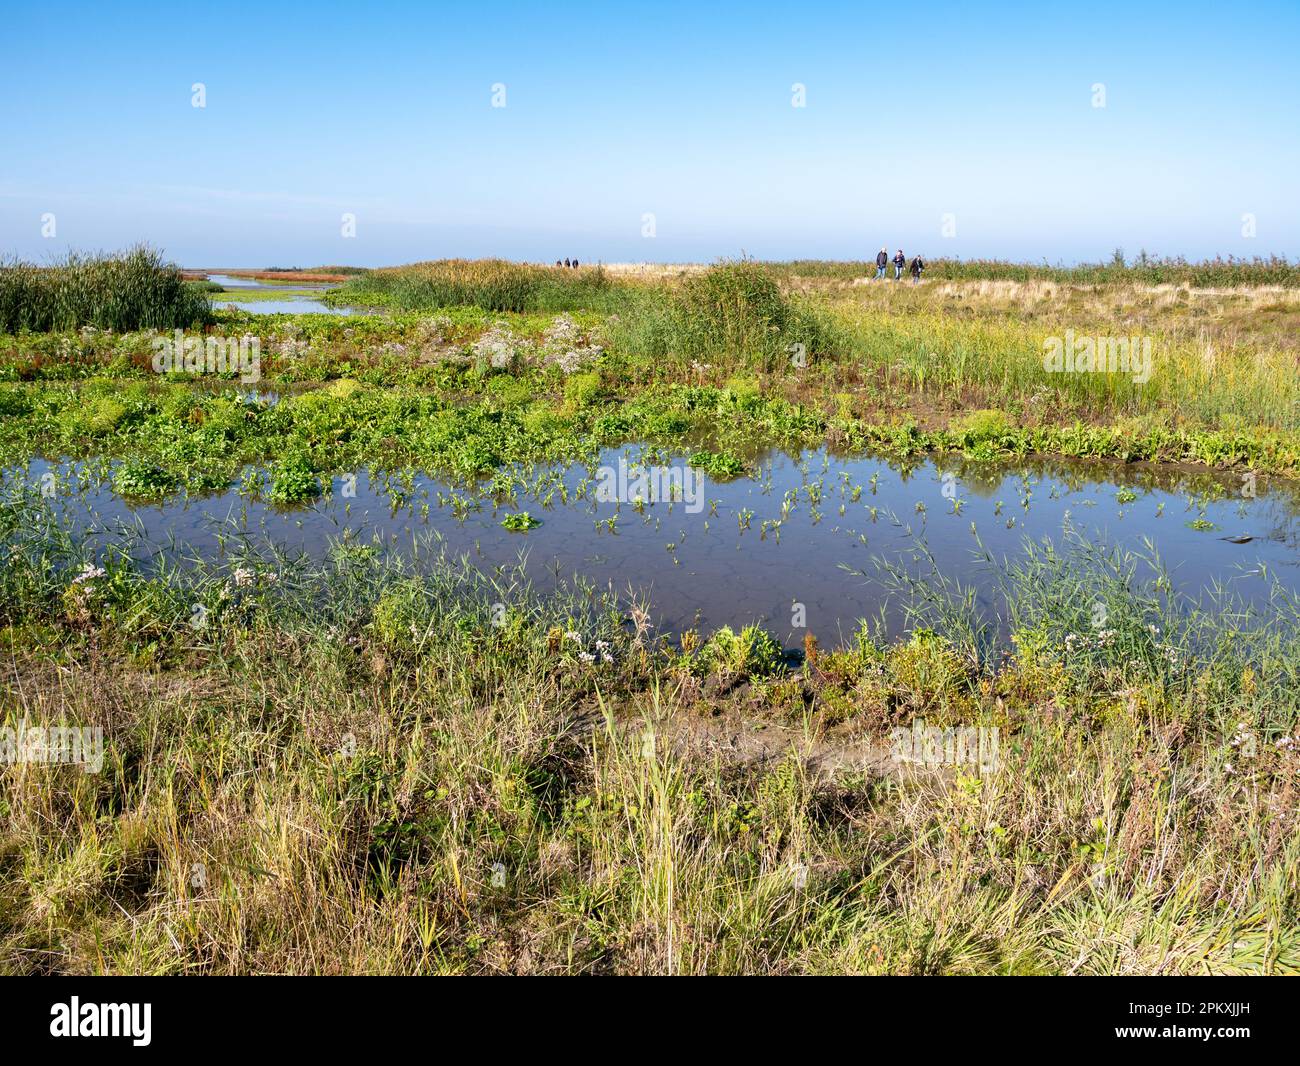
x: 913, y: 112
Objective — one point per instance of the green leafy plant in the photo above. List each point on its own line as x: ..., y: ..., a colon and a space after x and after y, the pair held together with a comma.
x: 753, y: 652
x: 142, y: 480
x: 521, y: 522
x: 293, y: 481
x: 718, y: 465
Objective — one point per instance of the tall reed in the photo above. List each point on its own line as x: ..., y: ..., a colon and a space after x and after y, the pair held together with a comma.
x: 135, y: 289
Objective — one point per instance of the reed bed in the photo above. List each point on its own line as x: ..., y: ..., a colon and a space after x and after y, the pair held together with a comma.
x: 132, y: 290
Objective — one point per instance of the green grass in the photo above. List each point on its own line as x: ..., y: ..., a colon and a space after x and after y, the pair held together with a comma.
x: 463, y: 391
x: 732, y: 316
x: 133, y: 290
x: 1142, y: 269
x: 348, y: 766
x: 455, y: 421
x: 276, y: 291
x: 734, y: 312
x: 492, y: 284
x: 354, y: 765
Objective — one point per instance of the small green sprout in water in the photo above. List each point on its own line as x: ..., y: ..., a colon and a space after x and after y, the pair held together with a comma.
x: 1202, y: 525
x: 1126, y: 496
x: 521, y: 522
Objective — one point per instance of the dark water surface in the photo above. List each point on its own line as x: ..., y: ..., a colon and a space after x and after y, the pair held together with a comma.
x: 806, y: 530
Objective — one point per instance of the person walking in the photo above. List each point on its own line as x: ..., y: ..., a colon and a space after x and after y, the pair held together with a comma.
x: 882, y: 261
x: 566, y: 261
x: 918, y: 264
x: 900, y: 261
x: 575, y: 264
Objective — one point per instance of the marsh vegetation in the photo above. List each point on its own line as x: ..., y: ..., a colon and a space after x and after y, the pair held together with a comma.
x: 395, y: 751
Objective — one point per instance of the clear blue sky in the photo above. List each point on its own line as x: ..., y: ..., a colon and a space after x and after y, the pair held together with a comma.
x: 914, y: 111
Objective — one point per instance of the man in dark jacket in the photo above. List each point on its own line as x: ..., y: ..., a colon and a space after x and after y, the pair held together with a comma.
x: 900, y: 261
x: 882, y: 261
x: 917, y: 266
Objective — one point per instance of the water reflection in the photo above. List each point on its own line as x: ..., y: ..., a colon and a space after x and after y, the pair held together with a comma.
x: 802, y: 530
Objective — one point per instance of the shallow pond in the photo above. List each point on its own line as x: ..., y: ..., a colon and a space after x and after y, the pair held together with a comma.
x: 295, y: 297
x: 801, y: 539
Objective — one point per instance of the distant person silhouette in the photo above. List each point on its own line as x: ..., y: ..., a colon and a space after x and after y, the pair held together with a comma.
x: 882, y: 261
x: 900, y: 261
x: 918, y: 264
x: 566, y: 261
x: 558, y: 263
x: 575, y: 264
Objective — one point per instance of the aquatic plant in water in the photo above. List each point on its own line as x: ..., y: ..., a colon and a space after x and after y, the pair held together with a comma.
x: 521, y: 522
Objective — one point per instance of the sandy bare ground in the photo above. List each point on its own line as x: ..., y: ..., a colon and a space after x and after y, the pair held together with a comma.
x: 655, y: 270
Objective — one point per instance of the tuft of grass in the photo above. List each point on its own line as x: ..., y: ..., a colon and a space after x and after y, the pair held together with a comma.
x: 132, y: 290
x: 734, y: 314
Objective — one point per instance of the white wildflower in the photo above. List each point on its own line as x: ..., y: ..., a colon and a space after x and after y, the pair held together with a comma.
x: 500, y: 347
x: 88, y: 574
x: 563, y: 331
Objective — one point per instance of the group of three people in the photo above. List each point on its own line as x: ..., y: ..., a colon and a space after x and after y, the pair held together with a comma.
x: 900, y: 262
